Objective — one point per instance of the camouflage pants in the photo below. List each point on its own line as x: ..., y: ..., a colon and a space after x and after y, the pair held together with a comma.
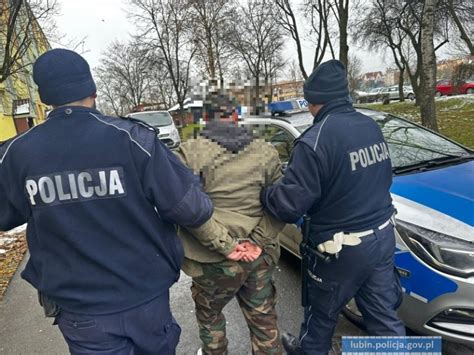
x: 252, y: 284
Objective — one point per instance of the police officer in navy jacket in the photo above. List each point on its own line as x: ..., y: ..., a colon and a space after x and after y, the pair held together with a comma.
x: 340, y: 175
x: 101, y: 196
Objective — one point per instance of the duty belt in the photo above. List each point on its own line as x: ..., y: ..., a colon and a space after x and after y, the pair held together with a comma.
x: 334, y: 245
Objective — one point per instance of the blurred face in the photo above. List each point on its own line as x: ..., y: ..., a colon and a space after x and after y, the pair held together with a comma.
x: 314, y: 109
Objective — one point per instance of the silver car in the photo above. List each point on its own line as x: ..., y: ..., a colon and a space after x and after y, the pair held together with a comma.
x: 434, y: 196
x: 393, y: 93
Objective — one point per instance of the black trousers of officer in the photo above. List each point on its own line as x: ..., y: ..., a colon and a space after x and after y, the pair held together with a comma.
x: 366, y: 272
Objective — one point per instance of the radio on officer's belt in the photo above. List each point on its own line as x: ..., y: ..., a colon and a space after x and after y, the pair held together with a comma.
x: 305, y: 248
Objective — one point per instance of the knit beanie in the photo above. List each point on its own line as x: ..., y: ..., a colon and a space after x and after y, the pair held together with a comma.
x: 327, y: 82
x: 63, y: 76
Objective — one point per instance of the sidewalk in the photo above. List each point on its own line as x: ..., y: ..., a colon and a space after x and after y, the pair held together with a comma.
x: 23, y: 327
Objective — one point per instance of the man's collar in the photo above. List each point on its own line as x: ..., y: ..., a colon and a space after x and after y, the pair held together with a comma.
x: 337, y: 105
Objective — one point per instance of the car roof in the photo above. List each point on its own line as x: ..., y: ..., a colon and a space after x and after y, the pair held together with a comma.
x: 301, y: 117
x: 155, y: 111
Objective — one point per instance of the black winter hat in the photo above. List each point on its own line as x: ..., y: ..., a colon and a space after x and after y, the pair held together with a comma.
x: 327, y: 82
x: 63, y: 76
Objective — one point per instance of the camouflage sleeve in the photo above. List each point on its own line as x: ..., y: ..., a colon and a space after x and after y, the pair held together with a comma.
x: 214, y: 236
x: 265, y: 234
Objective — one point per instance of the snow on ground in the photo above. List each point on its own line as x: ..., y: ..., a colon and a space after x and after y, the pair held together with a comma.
x: 17, y: 230
x: 464, y: 100
x: 468, y: 98
x: 10, y: 237
x: 6, y: 240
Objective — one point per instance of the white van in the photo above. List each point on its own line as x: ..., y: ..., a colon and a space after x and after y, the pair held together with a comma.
x: 162, y: 120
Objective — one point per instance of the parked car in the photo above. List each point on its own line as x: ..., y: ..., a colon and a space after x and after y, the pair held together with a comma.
x: 360, y: 97
x: 445, y: 87
x: 371, y: 96
x: 393, y: 93
x: 162, y: 120
x: 434, y: 196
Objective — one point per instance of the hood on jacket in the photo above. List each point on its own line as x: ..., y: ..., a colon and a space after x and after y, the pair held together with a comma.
x: 228, y: 135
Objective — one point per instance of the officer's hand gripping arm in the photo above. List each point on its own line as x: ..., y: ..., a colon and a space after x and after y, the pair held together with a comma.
x: 265, y: 234
x: 298, y: 190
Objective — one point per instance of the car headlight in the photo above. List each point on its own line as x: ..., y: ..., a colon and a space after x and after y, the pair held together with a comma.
x: 460, y: 321
x: 445, y: 253
x: 175, y: 135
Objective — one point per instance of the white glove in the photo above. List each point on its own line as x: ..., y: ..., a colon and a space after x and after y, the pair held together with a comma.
x: 334, y: 246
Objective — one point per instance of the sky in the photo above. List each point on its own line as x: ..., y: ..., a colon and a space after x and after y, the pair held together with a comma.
x: 101, y: 22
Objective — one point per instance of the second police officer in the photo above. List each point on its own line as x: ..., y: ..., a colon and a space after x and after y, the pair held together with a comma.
x: 339, y: 175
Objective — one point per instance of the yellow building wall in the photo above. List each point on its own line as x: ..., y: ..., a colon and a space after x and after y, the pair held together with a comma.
x: 7, y: 127
x: 22, y: 88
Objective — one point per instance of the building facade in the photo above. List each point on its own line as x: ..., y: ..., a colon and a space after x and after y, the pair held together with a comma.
x: 287, y: 90
x: 20, y: 105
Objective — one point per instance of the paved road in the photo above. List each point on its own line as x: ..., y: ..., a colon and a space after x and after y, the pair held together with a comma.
x: 24, y: 330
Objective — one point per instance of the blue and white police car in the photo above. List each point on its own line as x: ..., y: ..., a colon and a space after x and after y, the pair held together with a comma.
x: 433, y: 191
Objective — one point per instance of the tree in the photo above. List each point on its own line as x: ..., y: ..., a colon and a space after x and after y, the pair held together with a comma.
x: 161, y: 85
x: 257, y: 39
x: 428, y: 72
x: 211, y: 24
x: 125, y: 76
x: 111, y: 96
x: 354, y: 70
x: 462, y: 15
x: 164, y: 30
x: 340, y: 8
x: 402, y: 27
x: 23, y: 22
x: 320, y: 33
x: 383, y: 34
x: 396, y: 24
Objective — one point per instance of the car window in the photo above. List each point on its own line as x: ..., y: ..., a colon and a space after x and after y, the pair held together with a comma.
x: 410, y: 144
x: 154, y: 118
x: 281, y: 139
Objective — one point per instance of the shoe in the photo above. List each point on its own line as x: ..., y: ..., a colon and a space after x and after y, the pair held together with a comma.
x: 291, y: 344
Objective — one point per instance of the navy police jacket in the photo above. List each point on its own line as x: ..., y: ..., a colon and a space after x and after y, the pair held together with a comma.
x: 339, y: 174
x: 101, y: 196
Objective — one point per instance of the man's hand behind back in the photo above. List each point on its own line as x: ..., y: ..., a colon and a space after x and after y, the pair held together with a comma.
x: 246, y: 251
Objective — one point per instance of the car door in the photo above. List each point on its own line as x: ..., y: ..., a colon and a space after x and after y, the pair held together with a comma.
x: 444, y: 87
x: 394, y: 93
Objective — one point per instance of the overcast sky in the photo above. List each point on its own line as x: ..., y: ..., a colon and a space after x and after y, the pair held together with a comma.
x: 102, y: 21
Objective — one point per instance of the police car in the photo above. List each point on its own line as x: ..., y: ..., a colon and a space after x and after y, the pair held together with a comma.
x: 433, y: 191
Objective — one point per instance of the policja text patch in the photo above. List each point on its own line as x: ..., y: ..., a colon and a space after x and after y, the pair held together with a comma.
x: 75, y: 186
x: 367, y: 156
